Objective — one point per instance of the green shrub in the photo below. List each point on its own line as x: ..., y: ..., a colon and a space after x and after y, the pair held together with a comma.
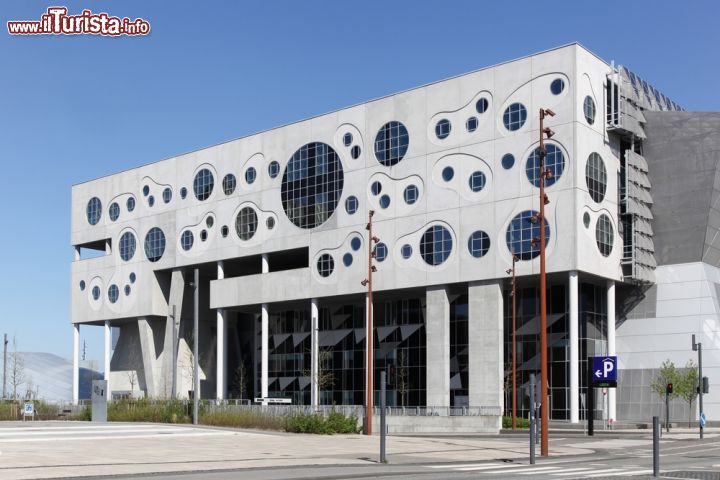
x: 521, y: 422
x: 244, y: 419
x: 147, y: 410
x: 334, y: 422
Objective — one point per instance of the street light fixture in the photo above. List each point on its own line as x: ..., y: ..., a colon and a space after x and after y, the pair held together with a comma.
x: 697, y: 347
x: 372, y: 240
x: 544, y: 407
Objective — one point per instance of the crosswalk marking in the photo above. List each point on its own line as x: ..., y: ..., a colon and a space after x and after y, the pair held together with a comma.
x: 553, y: 469
x: 533, y: 471
x: 488, y: 467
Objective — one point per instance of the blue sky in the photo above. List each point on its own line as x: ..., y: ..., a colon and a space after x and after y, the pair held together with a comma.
x: 75, y: 108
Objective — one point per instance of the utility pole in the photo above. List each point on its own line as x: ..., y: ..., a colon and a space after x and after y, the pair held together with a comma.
x: 544, y: 407
x: 514, y: 343
x: 370, y: 336
x: 4, y: 390
x: 697, y: 347
x: 196, y: 349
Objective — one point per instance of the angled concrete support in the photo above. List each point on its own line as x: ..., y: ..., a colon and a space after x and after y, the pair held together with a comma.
x: 485, y: 344
x: 76, y: 363
x: 314, y: 355
x: 172, y: 332
x: 437, y: 326
x: 147, y: 349
x: 574, y: 360
x: 108, y: 350
x: 221, y: 344
x: 264, y: 352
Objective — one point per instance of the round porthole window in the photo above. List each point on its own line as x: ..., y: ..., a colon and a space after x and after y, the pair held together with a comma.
x: 515, y: 116
x: 325, y: 265
x: 442, y: 128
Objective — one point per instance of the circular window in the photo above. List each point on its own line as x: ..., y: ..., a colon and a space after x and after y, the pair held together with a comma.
x: 435, y: 245
x: 477, y: 181
x: 347, y: 139
x: 385, y: 201
x: 391, y: 143
x: 312, y: 185
x: 203, y: 184
x: 151, y: 200
x: 210, y: 221
x: 246, y: 223
x: 554, y: 161
x: 203, y: 235
x: 442, y: 128
x: 521, y: 231
x: 127, y: 290
x: 224, y: 231
x: 586, y: 219
x: 325, y: 265
x: 604, y: 235
x: 508, y: 160
x: 273, y: 169
x: 94, y: 211
x: 482, y: 105
x: 380, y: 251
x: 113, y: 293
x: 355, y: 152
x: 514, y: 116
x: 132, y: 277
x: 589, y: 109
x: 406, y: 251
x: 154, y: 244
x: 183, y: 193
x: 351, y: 205
x: 146, y: 190
x: 478, y: 244
x: 411, y: 194
x: 186, y: 240
x: 270, y: 223
x: 448, y: 173
x: 596, y: 177
x: 82, y: 285
x: 250, y: 175
x: 130, y: 204
x: 229, y: 183
x: 355, y: 243
x: 96, y: 293
x: 167, y: 195
x: 347, y: 259
x: 376, y: 188
x: 471, y: 124
x: 114, y: 211
x: 557, y: 86
x: 127, y: 246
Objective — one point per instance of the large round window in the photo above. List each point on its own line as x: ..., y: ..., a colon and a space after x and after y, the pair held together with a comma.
x: 478, y: 244
x: 127, y: 246
x: 312, y: 185
x: 391, y: 143
x: 514, y: 116
x: 554, y: 161
x: 604, y: 235
x: 203, y: 184
x: 154, y: 244
x: 521, y: 232
x: 325, y: 265
x: 94, y: 211
x: 436, y: 245
x: 246, y: 223
x: 596, y: 177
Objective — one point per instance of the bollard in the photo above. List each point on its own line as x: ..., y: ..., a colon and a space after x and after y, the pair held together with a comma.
x: 532, y: 419
x: 383, y: 426
x: 656, y: 446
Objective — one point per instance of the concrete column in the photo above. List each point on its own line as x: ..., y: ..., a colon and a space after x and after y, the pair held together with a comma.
x: 265, y: 263
x: 437, y: 328
x: 77, y: 253
x: 264, y: 350
x: 108, y: 247
x: 612, y: 412
x: 314, y: 355
x: 221, y: 343
x: 147, y: 350
x: 76, y: 363
x: 108, y: 349
x: 485, y: 344
x: 574, y: 360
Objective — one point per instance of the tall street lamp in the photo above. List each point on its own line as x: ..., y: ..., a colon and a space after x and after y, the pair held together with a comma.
x: 544, y: 407
x: 514, y: 343
x: 369, y: 337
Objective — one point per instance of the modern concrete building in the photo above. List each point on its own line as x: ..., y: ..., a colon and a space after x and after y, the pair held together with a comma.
x: 276, y: 224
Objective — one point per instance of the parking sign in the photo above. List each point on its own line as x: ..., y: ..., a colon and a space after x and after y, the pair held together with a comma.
x: 605, y: 371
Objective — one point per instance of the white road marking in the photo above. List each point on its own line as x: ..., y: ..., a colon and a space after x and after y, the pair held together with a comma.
x: 489, y: 467
x: 532, y: 471
x: 57, y: 431
x: 119, y: 437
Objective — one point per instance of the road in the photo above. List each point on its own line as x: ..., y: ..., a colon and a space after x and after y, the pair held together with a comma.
x: 75, y: 449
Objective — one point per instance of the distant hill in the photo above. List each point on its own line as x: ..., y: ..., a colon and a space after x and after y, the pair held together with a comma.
x: 51, y: 377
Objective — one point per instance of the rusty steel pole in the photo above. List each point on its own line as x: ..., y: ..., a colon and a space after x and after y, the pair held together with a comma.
x: 369, y: 337
x: 544, y: 407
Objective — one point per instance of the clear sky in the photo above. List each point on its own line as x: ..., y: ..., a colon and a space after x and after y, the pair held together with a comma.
x: 76, y: 108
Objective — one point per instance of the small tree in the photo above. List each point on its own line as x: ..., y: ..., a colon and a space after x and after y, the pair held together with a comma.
x: 326, y: 378
x: 133, y: 360
x: 402, y: 381
x: 239, y: 386
x: 687, y: 386
x: 667, y: 374
x: 17, y: 370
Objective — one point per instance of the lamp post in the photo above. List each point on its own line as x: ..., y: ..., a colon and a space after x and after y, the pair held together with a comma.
x: 697, y: 347
x: 369, y: 337
x: 514, y: 343
x: 544, y: 407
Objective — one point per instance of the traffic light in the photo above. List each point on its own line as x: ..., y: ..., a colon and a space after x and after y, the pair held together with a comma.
x: 669, y: 389
x: 705, y: 385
